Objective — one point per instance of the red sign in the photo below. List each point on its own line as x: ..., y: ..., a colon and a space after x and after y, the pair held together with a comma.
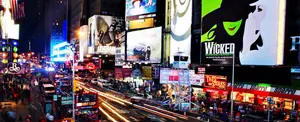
x: 118, y: 73
x: 126, y: 72
x: 215, y: 81
x: 90, y: 66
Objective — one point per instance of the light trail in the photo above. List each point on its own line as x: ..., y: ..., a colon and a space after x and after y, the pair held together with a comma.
x: 114, y: 112
x: 106, y: 114
x: 156, y: 112
x: 166, y: 111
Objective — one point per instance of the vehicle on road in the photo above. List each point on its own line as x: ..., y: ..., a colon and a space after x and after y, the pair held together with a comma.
x: 87, y: 106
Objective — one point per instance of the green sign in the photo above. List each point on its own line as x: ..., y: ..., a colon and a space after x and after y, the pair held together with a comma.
x: 54, y: 97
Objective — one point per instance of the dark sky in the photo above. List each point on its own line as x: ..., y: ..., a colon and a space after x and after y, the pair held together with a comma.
x: 31, y: 28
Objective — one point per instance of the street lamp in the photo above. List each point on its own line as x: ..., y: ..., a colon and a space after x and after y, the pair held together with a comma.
x: 270, y: 102
x: 232, y: 83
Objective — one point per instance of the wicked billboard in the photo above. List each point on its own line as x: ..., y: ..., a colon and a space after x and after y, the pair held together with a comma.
x: 246, y: 29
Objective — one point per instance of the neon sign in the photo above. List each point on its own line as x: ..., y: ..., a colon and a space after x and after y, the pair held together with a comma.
x: 60, y: 52
x: 215, y: 81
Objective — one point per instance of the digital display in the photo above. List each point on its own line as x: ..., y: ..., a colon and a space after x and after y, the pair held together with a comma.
x: 249, y: 30
x: 141, y: 23
x: 140, y: 7
x: 145, y: 45
x: 181, y: 20
x: 169, y: 76
x: 105, y: 34
x: 60, y: 52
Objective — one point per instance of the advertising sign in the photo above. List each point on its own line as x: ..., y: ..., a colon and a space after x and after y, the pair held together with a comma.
x: 83, y: 42
x: 196, y: 79
x: 215, y: 81
x: 126, y: 72
x: 105, y: 33
x: 140, y: 7
x: 169, y: 76
x: 144, y: 45
x: 147, y: 72
x: 292, y: 33
x: 118, y: 74
x: 243, y: 28
x: 14, y: 68
x: 181, y: 20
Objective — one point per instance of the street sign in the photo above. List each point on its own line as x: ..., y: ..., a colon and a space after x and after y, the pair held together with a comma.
x: 14, y: 68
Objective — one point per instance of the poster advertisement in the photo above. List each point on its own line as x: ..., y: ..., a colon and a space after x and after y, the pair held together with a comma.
x: 105, y: 34
x: 140, y: 7
x: 83, y: 42
x: 144, y: 45
x: 118, y: 74
x: 147, y: 72
x: 244, y: 29
x: 181, y: 20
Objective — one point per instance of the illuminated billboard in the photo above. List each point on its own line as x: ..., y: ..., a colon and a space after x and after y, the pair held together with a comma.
x: 181, y: 20
x: 140, y: 7
x: 141, y: 23
x: 61, y: 52
x: 144, y: 45
x: 83, y: 42
x: 252, y: 31
x: 8, y: 28
x: 105, y: 33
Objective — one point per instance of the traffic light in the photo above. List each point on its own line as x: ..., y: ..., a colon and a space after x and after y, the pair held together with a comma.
x: 14, y: 51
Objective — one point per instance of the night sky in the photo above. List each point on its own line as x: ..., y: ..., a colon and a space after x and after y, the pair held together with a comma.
x: 32, y: 27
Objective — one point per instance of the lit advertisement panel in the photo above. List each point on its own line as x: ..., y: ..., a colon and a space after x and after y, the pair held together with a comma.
x: 144, y: 45
x: 181, y: 20
x: 141, y: 23
x: 251, y: 30
x: 8, y: 28
x: 139, y: 7
x: 60, y: 52
x: 170, y: 76
x: 105, y: 33
x: 83, y: 42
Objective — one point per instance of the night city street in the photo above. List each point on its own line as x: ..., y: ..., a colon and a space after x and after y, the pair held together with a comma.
x: 149, y: 61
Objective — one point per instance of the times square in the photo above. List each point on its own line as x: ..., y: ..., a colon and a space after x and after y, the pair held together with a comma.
x: 149, y: 61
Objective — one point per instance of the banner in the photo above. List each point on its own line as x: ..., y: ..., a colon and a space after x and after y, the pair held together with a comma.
x: 248, y: 29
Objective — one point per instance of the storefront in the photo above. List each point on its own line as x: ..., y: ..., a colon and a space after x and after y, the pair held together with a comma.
x: 258, y: 94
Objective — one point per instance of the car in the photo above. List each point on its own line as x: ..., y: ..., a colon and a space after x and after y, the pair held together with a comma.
x: 94, y: 81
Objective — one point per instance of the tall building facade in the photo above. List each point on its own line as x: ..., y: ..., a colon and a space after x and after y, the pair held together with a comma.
x: 55, y: 20
x: 80, y: 10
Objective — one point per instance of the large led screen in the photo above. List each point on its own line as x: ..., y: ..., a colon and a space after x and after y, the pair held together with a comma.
x: 247, y: 30
x: 139, y: 7
x: 8, y: 28
x: 181, y: 20
x: 105, y: 33
x: 144, y: 45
